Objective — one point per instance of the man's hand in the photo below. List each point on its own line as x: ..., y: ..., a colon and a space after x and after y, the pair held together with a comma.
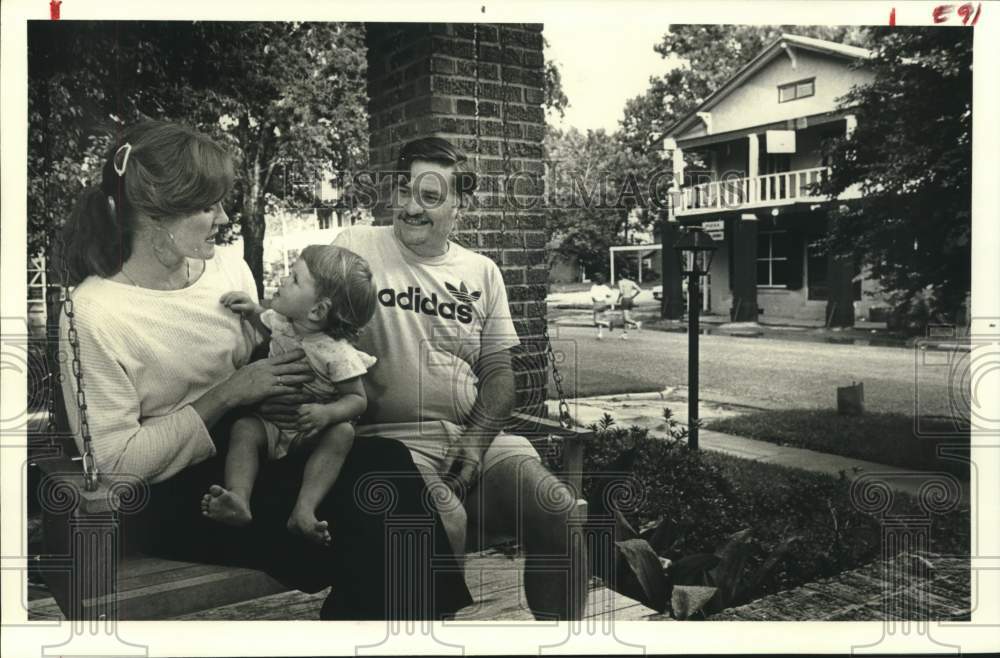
x: 464, y: 462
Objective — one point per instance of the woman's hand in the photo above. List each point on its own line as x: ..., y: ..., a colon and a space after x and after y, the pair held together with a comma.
x: 284, y: 409
x: 240, y: 302
x: 276, y: 375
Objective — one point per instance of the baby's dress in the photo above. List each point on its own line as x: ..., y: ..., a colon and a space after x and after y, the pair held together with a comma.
x: 332, y: 361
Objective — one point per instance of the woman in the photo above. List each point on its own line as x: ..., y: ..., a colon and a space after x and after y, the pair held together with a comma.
x: 165, y: 371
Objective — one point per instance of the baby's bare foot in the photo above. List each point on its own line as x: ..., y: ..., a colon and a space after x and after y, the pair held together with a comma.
x: 305, y: 523
x: 225, y: 506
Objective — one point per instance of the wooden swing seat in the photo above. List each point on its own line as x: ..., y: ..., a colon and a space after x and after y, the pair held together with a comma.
x: 92, y: 571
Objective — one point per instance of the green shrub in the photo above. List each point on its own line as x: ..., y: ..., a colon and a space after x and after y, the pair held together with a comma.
x: 783, y: 527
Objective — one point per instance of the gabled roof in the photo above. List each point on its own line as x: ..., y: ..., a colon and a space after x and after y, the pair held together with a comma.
x: 776, y: 49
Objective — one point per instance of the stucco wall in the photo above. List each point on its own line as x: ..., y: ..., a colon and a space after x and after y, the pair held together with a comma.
x: 755, y: 102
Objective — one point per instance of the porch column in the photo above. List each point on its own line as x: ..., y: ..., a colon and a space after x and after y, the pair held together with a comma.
x: 753, y: 159
x: 672, y: 307
x: 744, y: 248
x: 677, y: 163
x: 422, y: 81
x: 840, y: 303
x: 851, y: 122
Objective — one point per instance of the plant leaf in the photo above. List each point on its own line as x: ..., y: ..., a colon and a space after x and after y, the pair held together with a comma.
x: 644, y: 579
x: 623, y: 529
x: 689, y: 569
x: 659, y: 537
x: 726, y: 575
x: 688, y: 600
x: 772, y: 561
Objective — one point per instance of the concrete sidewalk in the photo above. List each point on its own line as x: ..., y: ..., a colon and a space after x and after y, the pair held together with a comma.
x: 646, y: 410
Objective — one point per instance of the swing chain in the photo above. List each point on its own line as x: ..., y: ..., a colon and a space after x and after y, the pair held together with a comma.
x: 91, y: 476
x: 505, y: 143
x: 565, y: 420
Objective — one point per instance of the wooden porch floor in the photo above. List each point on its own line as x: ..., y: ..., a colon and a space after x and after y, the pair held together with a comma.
x: 494, y: 580
x: 939, y: 588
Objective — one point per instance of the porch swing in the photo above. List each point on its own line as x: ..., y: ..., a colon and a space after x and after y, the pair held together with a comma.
x: 92, y: 568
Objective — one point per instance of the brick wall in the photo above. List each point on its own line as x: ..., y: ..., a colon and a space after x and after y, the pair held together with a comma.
x: 423, y: 80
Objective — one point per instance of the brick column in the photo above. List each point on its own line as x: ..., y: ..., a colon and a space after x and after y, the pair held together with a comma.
x: 422, y: 81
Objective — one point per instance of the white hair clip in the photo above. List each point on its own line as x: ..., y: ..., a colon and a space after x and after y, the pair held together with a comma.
x: 128, y: 149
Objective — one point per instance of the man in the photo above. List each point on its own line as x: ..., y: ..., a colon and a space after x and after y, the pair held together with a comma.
x: 628, y: 290
x: 443, y: 384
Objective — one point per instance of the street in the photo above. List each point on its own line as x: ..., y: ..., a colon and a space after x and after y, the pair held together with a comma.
x: 755, y: 372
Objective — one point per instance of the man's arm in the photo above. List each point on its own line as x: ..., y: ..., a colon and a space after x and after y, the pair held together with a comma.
x: 492, y: 409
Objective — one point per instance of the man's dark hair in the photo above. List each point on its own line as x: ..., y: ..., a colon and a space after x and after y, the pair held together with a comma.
x: 439, y: 151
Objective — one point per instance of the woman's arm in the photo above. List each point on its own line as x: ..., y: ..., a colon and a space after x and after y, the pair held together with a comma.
x: 156, y: 447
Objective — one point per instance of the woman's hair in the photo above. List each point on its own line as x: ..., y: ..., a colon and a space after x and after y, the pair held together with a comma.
x: 157, y: 169
x: 345, y: 279
x: 598, y: 278
x: 442, y: 152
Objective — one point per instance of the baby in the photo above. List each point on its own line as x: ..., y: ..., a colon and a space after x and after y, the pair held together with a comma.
x: 322, y: 304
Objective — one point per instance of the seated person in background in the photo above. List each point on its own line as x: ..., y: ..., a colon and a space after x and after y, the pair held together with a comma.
x: 321, y: 306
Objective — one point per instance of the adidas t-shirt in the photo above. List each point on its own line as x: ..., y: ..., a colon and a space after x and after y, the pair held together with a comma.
x: 434, y: 319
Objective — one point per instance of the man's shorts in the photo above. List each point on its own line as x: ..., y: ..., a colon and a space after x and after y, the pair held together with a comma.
x: 429, y: 447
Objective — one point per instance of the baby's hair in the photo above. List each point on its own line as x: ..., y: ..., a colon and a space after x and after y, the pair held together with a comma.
x: 345, y: 279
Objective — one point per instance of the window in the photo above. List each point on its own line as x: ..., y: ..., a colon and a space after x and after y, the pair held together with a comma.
x: 796, y: 90
x: 772, y: 259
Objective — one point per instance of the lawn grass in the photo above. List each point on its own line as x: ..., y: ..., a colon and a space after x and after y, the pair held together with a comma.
x: 884, y: 438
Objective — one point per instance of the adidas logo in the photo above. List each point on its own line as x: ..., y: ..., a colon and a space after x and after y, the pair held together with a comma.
x: 412, y: 300
x: 462, y: 293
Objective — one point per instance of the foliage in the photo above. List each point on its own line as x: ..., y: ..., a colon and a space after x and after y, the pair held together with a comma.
x: 912, y: 159
x: 884, y: 438
x: 555, y: 97
x: 706, y: 56
x: 724, y: 529
x: 286, y: 98
x: 597, y: 191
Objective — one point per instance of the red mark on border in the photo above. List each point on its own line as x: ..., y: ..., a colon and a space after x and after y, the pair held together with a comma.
x: 892, y: 17
x: 54, y: 9
x: 941, y: 13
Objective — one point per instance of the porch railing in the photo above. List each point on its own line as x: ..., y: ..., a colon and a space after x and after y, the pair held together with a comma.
x: 770, y: 189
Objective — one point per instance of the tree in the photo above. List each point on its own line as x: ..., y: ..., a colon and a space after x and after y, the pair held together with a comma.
x: 594, y: 184
x: 911, y: 156
x: 284, y: 97
x: 555, y: 97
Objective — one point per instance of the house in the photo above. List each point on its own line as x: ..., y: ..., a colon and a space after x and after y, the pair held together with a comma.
x: 754, y: 151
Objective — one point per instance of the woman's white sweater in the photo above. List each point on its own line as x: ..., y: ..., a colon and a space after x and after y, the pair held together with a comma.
x: 145, y: 356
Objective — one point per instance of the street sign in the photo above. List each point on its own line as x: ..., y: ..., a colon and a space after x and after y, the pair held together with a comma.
x: 717, y: 235
x: 715, y: 225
